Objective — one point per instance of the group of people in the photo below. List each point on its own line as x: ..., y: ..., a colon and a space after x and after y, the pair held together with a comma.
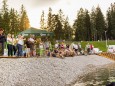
x: 12, y: 46
x: 30, y: 47
x: 17, y: 46
x: 61, y: 49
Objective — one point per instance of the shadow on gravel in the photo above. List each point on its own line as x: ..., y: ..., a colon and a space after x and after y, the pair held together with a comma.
x: 99, y: 77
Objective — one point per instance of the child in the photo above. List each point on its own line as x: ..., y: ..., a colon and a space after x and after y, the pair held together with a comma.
x: 41, y: 47
x: 34, y: 51
x: 27, y: 48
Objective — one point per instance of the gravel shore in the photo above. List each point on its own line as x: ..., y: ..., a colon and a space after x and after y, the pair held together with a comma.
x: 47, y: 71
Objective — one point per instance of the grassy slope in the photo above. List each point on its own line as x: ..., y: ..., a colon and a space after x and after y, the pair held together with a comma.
x: 101, y: 44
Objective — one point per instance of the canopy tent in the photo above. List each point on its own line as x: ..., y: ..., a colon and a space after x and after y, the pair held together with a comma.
x: 37, y: 32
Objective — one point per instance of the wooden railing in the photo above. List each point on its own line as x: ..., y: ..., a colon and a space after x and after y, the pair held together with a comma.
x: 108, y: 55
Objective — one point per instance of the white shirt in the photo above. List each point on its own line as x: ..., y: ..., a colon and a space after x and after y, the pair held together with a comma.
x: 32, y: 40
x: 88, y: 46
x: 47, y: 44
x: 56, y: 45
x: 41, y: 46
x: 75, y: 46
x: 20, y: 41
x: 9, y: 40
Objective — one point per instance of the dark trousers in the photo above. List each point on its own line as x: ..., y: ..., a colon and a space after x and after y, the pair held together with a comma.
x: 1, y: 49
x: 10, y: 49
x: 14, y: 50
x: 19, y: 48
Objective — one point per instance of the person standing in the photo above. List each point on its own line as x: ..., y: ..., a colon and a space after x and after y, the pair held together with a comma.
x: 32, y: 44
x: 2, y: 40
x: 47, y: 44
x: 9, y: 45
x: 27, y: 43
x: 14, y: 44
x: 20, y: 43
x: 41, y: 47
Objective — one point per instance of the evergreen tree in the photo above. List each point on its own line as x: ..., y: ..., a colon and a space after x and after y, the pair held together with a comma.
x: 53, y: 23
x: 42, y: 21
x: 24, y: 21
x: 61, y: 16
x: 61, y: 19
x: 4, y: 7
x: 80, y: 31
x: 111, y: 22
x: 5, y: 17
x: 14, y: 23
x: 93, y: 24
x: 100, y: 24
x: 57, y: 28
x: 1, y: 21
x: 11, y: 21
x: 87, y: 26
x: 67, y: 30
x: 17, y: 22
x: 6, y: 22
x: 49, y: 22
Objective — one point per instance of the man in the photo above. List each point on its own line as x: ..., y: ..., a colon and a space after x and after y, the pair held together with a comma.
x: 2, y: 40
x: 20, y: 43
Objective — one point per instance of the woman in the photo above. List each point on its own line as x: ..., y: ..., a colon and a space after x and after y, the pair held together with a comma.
x: 9, y: 45
x: 14, y: 44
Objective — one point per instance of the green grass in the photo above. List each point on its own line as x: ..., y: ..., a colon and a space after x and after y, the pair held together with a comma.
x: 97, y: 44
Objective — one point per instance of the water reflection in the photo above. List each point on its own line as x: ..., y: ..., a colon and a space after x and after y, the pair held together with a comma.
x: 100, y: 77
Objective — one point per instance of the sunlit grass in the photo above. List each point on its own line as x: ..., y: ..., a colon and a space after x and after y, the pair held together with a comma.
x: 97, y: 44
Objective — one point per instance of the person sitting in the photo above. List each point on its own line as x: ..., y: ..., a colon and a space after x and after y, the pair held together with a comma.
x: 75, y: 46
x: 67, y: 51
x: 88, y: 48
x: 91, y: 48
x: 61, y: 53
x: 79, y: 48
x: 53, y: 53
x: 63, y: 45
x: 57, y: 44
x: 71, y: 49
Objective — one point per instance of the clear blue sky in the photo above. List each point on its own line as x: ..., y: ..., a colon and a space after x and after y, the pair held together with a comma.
x: 70, y: 7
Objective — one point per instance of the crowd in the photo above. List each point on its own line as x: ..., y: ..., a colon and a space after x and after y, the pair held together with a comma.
x: 29, y: 47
